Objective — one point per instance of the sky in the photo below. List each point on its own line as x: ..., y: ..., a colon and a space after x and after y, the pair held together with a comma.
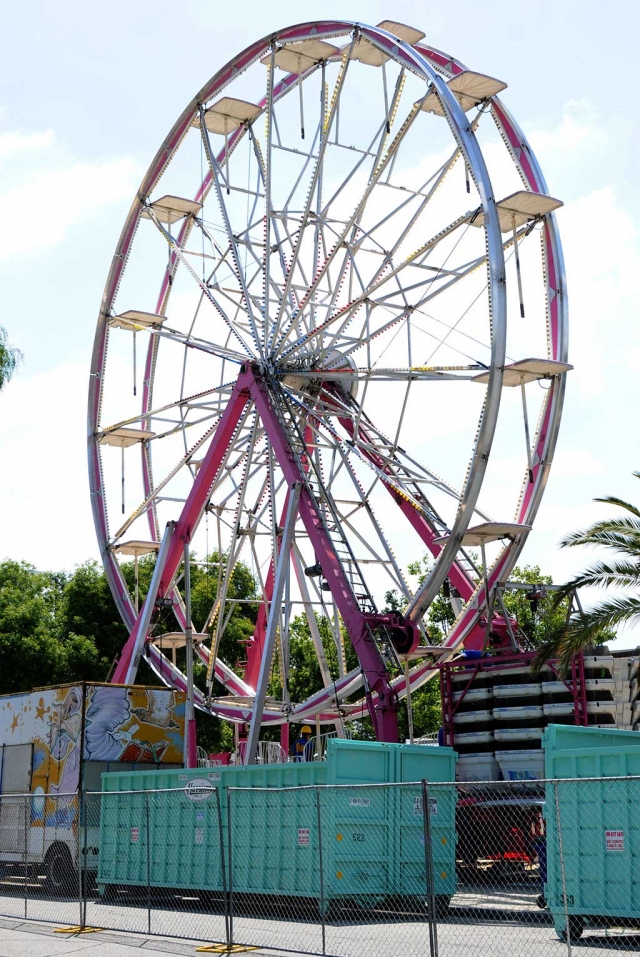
x: 88, y: 92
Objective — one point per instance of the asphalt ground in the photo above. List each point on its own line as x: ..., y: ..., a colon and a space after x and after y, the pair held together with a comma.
x: 476, y: 926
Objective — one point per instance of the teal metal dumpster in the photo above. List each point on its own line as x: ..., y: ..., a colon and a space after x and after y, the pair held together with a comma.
x: 593, y: 826
x: 373, y: 837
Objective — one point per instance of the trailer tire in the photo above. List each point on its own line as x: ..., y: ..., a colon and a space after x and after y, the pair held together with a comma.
x: 62, y: 876
x: 576, y: 928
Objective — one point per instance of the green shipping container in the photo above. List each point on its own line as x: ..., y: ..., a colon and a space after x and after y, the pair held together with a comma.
x: 372, y: 838
x: 599, y: 825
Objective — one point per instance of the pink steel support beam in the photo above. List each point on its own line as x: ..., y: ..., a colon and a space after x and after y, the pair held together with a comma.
x: 384, y: 713
x: 199, y: 494
x: 185, y: 526
x: 254, y: 650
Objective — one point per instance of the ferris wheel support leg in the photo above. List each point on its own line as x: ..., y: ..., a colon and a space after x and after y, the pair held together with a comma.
x: 201, y: 488
x: 171, y: 550
x: 274, y: 616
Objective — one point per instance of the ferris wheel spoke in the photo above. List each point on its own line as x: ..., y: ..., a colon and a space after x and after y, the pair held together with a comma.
x: 387, y: 256
x: 201, y: 345
x: 273, y: 218
x: 177, y: 249
x: 355, y: 216
x: 185, y: 402
x: 345, y: 313
x: 404, y: 313
x: 439, y: 177
x: 325, y: 136
x: 236, y: 543
x: 405, y: 487
x: 148, y: 502
x: 397, y: 578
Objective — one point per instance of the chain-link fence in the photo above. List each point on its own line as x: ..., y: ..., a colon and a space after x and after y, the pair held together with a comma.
x: 39, y: 873
x: 508, y: 868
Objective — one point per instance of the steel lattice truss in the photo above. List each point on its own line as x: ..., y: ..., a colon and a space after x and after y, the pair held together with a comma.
x: 325, y: 271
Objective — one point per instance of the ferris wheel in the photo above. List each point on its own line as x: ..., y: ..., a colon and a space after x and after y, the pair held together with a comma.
x: 335, y: 314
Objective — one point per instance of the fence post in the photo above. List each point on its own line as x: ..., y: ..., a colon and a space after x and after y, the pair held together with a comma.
x: 223, y: 871
x: 148, y: 846
x: 320, y: 863
x: 230, y: 859
x: 85, y: 862
x: 562, y: 870
x: 80, y: 855
x: 27, y: 815
x: 428, y: 864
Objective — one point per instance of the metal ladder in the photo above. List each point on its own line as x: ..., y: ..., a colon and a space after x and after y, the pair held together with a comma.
x: 321, y: 498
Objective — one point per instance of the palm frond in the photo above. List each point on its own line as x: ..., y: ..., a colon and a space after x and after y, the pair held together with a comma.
x: 612, y: 533
x: 620, y: 502
x: 584, y: 629
x: 617, y: 574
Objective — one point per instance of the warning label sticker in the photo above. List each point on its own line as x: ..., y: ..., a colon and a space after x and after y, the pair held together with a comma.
x: 433, y: 806
x: 614, y: 840
x: 199, y: 835
x: 303, y: 836
x: 360, y: 802
x: 135, y: 835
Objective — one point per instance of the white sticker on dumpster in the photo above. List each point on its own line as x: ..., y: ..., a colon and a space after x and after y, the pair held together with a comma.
x: 433, y: 806
x: 360, y: 802
x: 304, y: 837
x: 135, y: 835
x: 199, y: 835
x: 614, y: 840
x: 199, y: 790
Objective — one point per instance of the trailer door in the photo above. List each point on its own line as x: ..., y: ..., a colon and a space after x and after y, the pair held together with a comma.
x: 17, y: 762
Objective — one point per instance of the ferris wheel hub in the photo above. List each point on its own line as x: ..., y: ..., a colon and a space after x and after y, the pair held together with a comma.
x: 332, y: 369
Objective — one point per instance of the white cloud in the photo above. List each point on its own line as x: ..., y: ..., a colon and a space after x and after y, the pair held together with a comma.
x: 44, y: 494
x: 579, y: 124
x: 44, y: 195
x: 15, y: 143
x: 572, y: 462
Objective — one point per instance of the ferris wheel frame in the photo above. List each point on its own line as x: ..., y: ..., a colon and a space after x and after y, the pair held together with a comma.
x: 384, y: 692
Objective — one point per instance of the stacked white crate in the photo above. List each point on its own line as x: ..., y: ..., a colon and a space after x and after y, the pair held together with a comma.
x: 621, y: 669
x: 620, y: 676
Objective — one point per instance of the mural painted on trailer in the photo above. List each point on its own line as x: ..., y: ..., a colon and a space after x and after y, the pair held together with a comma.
x: 121, y: 725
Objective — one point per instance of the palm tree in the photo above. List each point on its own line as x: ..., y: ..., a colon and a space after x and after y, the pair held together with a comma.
x: 9, y: 358
x: 621, y: 537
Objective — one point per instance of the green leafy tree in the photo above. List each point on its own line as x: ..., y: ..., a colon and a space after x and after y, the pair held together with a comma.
x: 10, y: 358
x: 33, y: 648
x: 539, y: 615
x: 87, y: 608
